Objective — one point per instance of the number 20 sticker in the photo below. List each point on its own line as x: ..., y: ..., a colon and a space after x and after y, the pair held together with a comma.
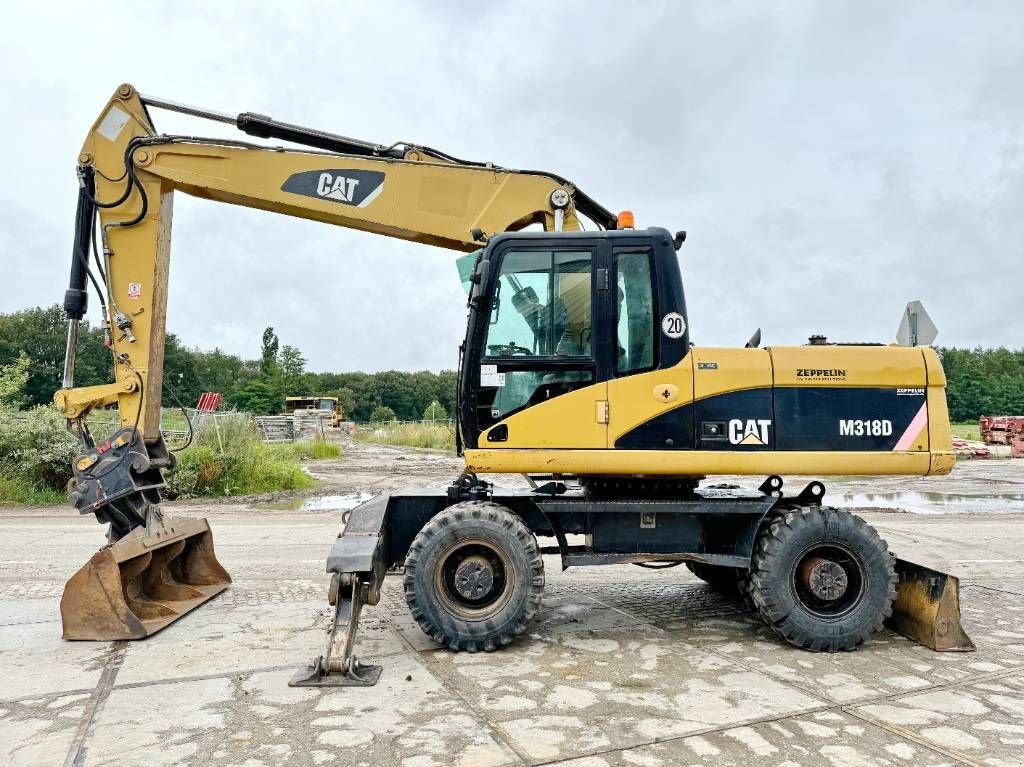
x: 673, y: 325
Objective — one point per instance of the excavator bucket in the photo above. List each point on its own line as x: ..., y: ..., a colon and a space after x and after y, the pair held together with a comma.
x: 146, y: 580
x: 927, y: 608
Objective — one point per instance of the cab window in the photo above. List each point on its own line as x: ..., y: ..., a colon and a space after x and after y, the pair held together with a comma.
x: 539, y: 333
x: 635, y: 332
x: 542, y: 306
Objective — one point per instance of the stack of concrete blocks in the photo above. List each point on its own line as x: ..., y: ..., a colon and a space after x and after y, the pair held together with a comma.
x: 276, y: 428
x: 310, y: 424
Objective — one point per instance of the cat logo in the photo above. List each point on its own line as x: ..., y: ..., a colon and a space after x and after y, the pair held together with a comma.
x: 337, y: 187
x: 749, y: 432
x: 349, y: 187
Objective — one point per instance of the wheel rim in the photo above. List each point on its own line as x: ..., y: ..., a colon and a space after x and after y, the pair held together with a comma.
x: 474, y: 579
x: 828, y: 580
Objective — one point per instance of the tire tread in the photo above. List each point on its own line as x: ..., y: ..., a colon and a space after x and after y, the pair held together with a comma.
x: 487, y: 636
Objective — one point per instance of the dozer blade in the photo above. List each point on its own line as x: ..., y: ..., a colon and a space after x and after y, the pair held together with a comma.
x: 144, y: 581
x: 927, y: 608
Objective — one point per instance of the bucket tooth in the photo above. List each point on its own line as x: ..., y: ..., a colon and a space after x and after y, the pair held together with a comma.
x: 146, y: 580
x: 927, y: 608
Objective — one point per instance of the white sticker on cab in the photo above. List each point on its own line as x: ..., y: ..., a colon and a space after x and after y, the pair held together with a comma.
x: 673, y: 325
x: 489, y: 376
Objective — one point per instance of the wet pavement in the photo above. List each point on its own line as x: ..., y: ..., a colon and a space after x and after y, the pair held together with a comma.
x: 623, y: 666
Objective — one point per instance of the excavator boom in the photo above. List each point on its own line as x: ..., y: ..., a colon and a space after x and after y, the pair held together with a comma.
x: 128, y: 174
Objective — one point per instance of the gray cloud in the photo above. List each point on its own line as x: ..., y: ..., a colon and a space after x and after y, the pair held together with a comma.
x: 830, y: 161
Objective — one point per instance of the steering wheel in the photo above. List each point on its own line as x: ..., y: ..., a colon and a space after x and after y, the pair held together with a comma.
x: 511, y: 349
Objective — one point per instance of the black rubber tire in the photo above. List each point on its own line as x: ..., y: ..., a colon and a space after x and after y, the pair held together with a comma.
x: 743, y: 587
x: 493, y: 523
x: 721, y: 579
x: 780, y: 547
x: 743, y: 581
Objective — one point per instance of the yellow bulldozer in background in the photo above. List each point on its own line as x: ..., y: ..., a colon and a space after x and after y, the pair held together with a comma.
x: 577, y: 370
x: 327, y: 405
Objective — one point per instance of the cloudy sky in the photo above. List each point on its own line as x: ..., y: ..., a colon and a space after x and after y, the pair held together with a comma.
x: 829, y: 161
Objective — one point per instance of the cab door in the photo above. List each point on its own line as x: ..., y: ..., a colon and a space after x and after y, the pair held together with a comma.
x: 650, y: 389
x: 542, y: 371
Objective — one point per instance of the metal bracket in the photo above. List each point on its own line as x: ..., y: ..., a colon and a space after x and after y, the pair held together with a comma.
x: 811, y: 495
x: 78, y: 402
x: 771, y: 485
x: 339, y: 667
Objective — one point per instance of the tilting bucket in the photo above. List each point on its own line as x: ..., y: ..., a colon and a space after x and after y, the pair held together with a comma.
x: 146, y: 580
x: 927, y: 608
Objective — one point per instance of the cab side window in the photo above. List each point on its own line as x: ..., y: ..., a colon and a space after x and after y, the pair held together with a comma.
x: 635, y: 313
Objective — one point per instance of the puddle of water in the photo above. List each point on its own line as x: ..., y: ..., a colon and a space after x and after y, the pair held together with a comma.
x: 319, y: 503
x: 930, y: 502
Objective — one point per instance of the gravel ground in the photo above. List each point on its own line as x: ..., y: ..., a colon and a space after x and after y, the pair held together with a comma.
x: 623, y: 666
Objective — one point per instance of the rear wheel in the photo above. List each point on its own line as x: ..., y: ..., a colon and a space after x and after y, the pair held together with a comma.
x: 474, y: 576
x: 822, y: 578
x: 721, y: 579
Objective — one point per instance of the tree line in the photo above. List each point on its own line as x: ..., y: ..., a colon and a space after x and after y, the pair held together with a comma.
x: 983, y: 382
x: 257, y: 385
x: 980, y: 381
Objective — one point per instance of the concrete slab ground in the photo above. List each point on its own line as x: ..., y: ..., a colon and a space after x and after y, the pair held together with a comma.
x: 623, y: 666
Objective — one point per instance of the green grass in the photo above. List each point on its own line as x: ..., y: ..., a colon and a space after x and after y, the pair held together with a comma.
x: 313, y: 450
x: 15, y: 491
x: 435, y: 436
x: 232, y: 459
x: 969, y: 431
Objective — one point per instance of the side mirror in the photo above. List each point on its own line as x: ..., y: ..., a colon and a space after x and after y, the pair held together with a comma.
x: 479, y: 278
x: 755, y: 340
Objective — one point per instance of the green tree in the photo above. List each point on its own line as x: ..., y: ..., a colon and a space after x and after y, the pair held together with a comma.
x: 224, y: 373
x: 347, y: 402
x: 13, y: 378
x: 983, y: 382
x: 268, y: 356
x: 447, y: 389
x: 292, y: 365
x: 435, y: 412
x: 382, y: 414
x: 41, y: 334
x: 259, y: 397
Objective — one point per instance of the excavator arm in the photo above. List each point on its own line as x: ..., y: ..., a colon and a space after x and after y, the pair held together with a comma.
x: 128, y: 174
x: 158, y: 569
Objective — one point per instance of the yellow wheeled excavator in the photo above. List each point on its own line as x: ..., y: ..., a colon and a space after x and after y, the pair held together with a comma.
x: 576, y: 370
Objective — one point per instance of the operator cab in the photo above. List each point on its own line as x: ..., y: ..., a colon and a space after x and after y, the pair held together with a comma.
x: 554, y: 312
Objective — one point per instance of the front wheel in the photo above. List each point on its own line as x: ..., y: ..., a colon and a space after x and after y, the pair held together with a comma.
x: 474, y: 576
x: 822, y: 578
